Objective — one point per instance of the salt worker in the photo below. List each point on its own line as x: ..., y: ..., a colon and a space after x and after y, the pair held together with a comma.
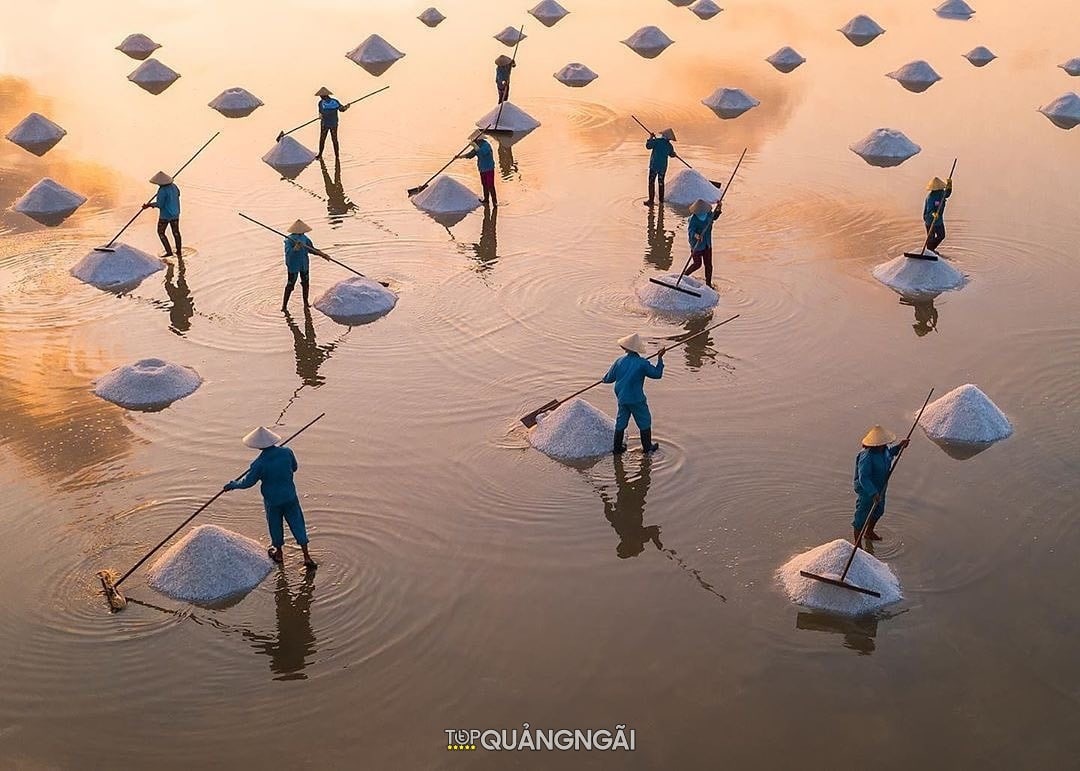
x: 661, y: 149
x: 167, y: 202
x: 699, y: 231
x: 934, y: 211
x: 485, y: 164
x: 297, y: 262
x: 329, y: 107
x: 274, y: 468
x: 628, y: 373
x: 871, y: 473
x: 503, y: 65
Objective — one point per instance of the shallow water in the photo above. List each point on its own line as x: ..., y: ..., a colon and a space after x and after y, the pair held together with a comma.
x: 467, y: 581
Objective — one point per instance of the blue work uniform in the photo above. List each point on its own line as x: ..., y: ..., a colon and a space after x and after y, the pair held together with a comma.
x: 628, y: 373
x: 502, y: 72
x: 167, y: 202
x: 934, y: 199
x: 274, y: 468
x: 662, y: 149
x: 328, y: 111
x: 296, y: 256
x: 871, y: 472
x: 484, y: 155
x: 699, y: 230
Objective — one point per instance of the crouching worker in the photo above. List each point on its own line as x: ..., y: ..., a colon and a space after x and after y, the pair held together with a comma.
x: 871, y: 473
x: 628, y: 373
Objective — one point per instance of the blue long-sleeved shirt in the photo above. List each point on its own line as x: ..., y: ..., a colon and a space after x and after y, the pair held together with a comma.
x: 628, y: 373
x: 872, y: 469
x: 296, y: 256
x: 167, y: 202
x: 328, y: 111
x: 485, y: 157
x: 662, y: 149
x: 273, y: 467
x: 699, y: 230
x: 934, y: 199
x: 502, y: 72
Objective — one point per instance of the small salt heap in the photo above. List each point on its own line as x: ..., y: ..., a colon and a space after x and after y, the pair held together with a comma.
x: 862, y: 30
x: 575, y: 430
x: 964, y: 422
x: 729, y: 102
x: 673, y: 301
x: 916, y: 278
x: 236, y: 102
x: 147, y: 384
x: 1072, y: 66
x: 510, y: 37
x: 786, y: 59
x: 118, y: 270
x: 138, y: 46
x: 375, y: 55
x: 648, y: 42
x: 1063, y: 112
x: 288, y: 157
x: 955, y: 9
x: 885, y: 147
x: 549, y: 12
x: 432, y: 17
x: 512, y: 118
x: 705, y: 9
x: 36, y: 134
x: 680, y: 3
x: 575, y: 75
x: 688, y: 186
x: 447, y: 200
x: 153, y: 76
x: 915, y: 76
x: 49, y: 202
x: 208, y: 565
x: 980, y: 56
x: 829, y: 559
x: 356, y: 301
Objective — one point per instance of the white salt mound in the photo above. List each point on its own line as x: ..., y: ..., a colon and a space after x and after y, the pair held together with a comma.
x: 980, y: 56
x: 49, y: 202
x: 512, y: 118
x: 147, y: 383
x: 236, y: 102
x: 208, y: 565
x: 510, y: 37
x: 375, y: 55
x: 664, y: 299
x: 885, y: 147
x: 786, y: 59
x: 356, y: 301
x: 548, y: 12
x: 123, y: 268
x: 1063, y: 112
x: 153, y: 76
x: 1072, y: 66
x: 648, y: 42
x: 912, y: 277
x: 574, y: 431
x: 446, y: 196
x: 138, y: 46
x: 915, y: 76
x: 288, y: 157
x: 829, y: 559
x: 965, y: 415
x: 36, y: 134
x: 432, y: 17
x: 729, y: 102
x: 862, y: 30
x: 575, y: 75
x: 955, y: 9
x: 705, y: 9
x: 688, y: 186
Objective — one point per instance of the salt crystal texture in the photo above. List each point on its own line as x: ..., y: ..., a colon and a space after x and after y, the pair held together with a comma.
x: 1063, y: 112
x: 549, y: 12
x: 138, y: 46
x: 375, y: 55
x: 153, y: 76
x: 209, y: 565
x: 955, y: 9
x: 49, y: 202
x: 729, y: 102
x: 447, y: 200
x: 118, y: 270
x: 288, y: 158
x: 236, y: 102
x: 915, y: 278
x: 1072, y: 66
x: 672, y: 301
x: 648, y: 42
x: 862, y: 30
x: 510, y: 37
x: 829, y: 559
x: 574, y: 431
x: 885, y: 147
x: 915, y: 76
x: 786, y: 59
x: 512, y: 118
x: 688, y: 186
x: 356, y: 301
x: 147, y: 384
x: 705, y: 9
x: 980, y: 56
x: 965, y: 416
x: 432, y: 17
x: 36, y: 134
x: 575, y: 75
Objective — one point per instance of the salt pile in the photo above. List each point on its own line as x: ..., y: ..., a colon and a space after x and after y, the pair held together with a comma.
x: 980, y: 56
x: 648, y: 42
x: 955, y: 9
x: 915, y: 76
x: 49, y: 202
x: 375, y: 55
x: 432, y: 17
x: 153, y: 76
x: 548, y: 12
x: 575, y: 75
x: 356, y: 301
x: 117, y: 270
x: 512, y: 118
x: 680, y: 3
x: 885, y: 147
x: 688, y: 186
x: 1072, y: 66
x: 446, y: 197
x: 829, y: 559
x: 573, y: 431
x: 147, y: 384
x: 36, y: 134
x: 288, y: 157
x: 1063, y: 112
x: 966, y: 416
x: 236, y: 102
x: 912, y: 277
x: 786, y: 59
x: 729, y: 102
x: 208, y: 565
x: 664, y: 299
x: 510, y: 37
x: 138, y: 46
x: 705, y: 9
x: 862, y: 30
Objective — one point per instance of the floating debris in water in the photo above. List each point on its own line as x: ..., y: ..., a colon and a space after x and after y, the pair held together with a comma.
x: 915, y: 278
x: 510, y: 37
x: 445, y: 198
x: 829, y: 559
x: 432, y: 17
x: 288, y: 157
x: 236, y: 102
x: 548, y: 12
x: 705, y: 9
x: 575, y: 75
x: 648, y: 42
x: 36, y: 134
x: 209, y: 565
x: 356, y: 301
x: 512, y: 118
x: 375, y: 55
x: 885, y: 147
x: 688, y: 186
x: 964, y: 422
x: 663, y: 298
x: 148, y: 384
x: 1063, y: 112
x: 1072, y: 66
x: 955, y: 9
x: 48, y: 202
x: 786, y: 59
x: 729, y: 102
x: 575, y: 430
x: 980, y: 56
x: 153, y: 76
x: 862, y: 30
x: 121, y: 269
x: 138, y: 46
x: 916, y: 76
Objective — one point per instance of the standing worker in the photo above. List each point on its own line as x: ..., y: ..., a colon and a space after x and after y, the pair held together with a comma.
x: 503, y: 65
x: 871, y: 473
x: 297, y: 262
x: 934, y: 211
x: 274, y: 468
x: 485, y: 164
x: 628, y: 373
x: 699, y: 231
x: 329, y: 107
x: 167, y: 202
x: 661, y: 149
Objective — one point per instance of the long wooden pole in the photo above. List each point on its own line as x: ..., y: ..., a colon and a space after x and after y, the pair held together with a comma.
x: 937, y: 213
x: 283, y: 134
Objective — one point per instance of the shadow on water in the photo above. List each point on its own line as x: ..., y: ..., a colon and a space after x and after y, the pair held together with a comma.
x: 338, y: 204
x: 859, y: 633
x: 486, y: 250
x: 658, y: 252
x: 926, y: 314
x: 507, y: 165
x: 310, y: 356
x: 182, y: 307
x: 293, y: 643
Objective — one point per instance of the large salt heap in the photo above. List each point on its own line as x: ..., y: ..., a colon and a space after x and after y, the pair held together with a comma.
x: 36, y: 134
x: 153, y: 76
x: 885, y: 147
x: 964, y: 422
x: 138, y: 46
x: 432, y: 17
x: 915, y: 76
x: 118, y: 270
x: 955, y: 9
x: 648, y: 42
x: 662, y: 298
x: 446, y: 200
x: 786, y: 59
x: 356, y: 301
x: 574, y: 431
x: 705, y: 9
x: 510, y: 37
x: 688, y: 186
x: 548, y: 12
x: 862, y: 30
x: 575, y: 75
x: 1072, y: 66
x: 48, y: 202
x: 511, y: 118
x: 147, y: 384
x: 729, y: 102
x: 829, y: 559
x: 915, y: 278
x: 1063, y: 112
x: 209, y: 565
x: 236, y: 102
x: 375, y: 55
x: 288, y: 157
x: 980, y: 56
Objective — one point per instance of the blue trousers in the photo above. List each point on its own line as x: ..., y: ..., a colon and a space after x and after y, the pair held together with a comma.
x: 291, y: 513
x: 862, y: 511
x: 641, y: 414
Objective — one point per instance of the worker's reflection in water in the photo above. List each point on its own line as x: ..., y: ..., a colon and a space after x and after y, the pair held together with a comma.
x: 926, y: 315
x: 487, y: 248
x: 658, y: 253
x: 627, y: 512
x: 337, y: 203
x: 309, y: 354
x: 507, y: 164
x: 294, y: 644
x: 182, y: 304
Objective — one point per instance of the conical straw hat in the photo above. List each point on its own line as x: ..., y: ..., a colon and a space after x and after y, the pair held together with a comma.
x: 633, y: 343
x: 324, y: 91
x: 937, y: 183
x: 261, y: 438
x: 700, y: 206
x: 298, y: 228
x: 878, y: 436
x: 161, y: 178
x: 503, y: 59
x: 669, y: 133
